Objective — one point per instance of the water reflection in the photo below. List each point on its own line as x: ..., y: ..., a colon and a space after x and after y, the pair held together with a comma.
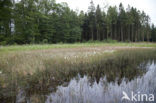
x: 81, y: 90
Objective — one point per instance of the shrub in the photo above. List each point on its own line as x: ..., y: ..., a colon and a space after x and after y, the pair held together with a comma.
x: 3, y: 43
x: 45, y: 41
x: 109, y: 40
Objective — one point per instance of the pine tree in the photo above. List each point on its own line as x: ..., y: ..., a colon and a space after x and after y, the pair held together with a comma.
x: 91, y: 14
x: 98, y: 22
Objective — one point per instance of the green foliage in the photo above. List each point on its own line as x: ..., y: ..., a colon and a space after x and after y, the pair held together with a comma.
x: 153, y: 32
x: 3, y: 43
x: 34, y: 21
x: 45, y: 41
x: 109, y: 40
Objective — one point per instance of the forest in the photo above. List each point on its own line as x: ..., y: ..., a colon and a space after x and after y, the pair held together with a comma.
x: 45, y: 21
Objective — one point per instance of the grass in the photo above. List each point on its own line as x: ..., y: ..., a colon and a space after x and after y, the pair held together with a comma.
x: 6, y: 49
x: 35, y: 68
x: 36, y: 72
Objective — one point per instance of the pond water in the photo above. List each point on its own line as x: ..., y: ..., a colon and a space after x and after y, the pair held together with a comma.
x: 87, y: 89
x: 81, y: 90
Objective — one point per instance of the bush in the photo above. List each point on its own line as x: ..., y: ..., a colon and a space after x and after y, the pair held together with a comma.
x: 1, y: 37
x: 127, y: 41
x: 109, y: 40
x: 45, y: 41
x: 60, y: 42
x: 93, y: 41
x: 3, y: 43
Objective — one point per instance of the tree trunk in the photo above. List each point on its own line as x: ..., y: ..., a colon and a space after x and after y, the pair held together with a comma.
x: 129, y: 28
x: 132, y: 34
x: 115, y: 33
x: 107, y: 34
x: 121, y: 34
x: 97, y: 35
x: 92, y: 35
x: 111, y: 36
x: 143, y: 36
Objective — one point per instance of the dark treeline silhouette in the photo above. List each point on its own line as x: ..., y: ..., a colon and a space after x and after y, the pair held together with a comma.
x: 45, y: 21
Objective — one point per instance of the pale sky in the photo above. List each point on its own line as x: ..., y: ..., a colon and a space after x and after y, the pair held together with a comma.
x: 149, y: 6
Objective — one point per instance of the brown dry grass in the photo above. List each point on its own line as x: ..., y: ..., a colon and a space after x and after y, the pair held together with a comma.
x: 39, y: 69
x: 25, y: 62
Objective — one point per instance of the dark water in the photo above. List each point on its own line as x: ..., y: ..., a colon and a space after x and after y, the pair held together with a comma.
x: 86, y: 89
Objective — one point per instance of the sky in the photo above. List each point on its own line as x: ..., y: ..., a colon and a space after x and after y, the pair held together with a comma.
x: 149, y: 6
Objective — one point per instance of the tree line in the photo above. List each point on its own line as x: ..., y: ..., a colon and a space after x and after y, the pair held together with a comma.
x: 45, y: 21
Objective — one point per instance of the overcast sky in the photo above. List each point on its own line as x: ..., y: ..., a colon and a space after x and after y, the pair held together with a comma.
x: 149, y: 6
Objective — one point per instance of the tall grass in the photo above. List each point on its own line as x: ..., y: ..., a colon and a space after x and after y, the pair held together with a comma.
x: 39, y: 74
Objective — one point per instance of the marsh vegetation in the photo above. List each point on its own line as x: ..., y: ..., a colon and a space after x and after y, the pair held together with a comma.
x: 35, y: 76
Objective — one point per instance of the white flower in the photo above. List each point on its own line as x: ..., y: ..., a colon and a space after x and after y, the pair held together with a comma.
x: 0, y: 72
